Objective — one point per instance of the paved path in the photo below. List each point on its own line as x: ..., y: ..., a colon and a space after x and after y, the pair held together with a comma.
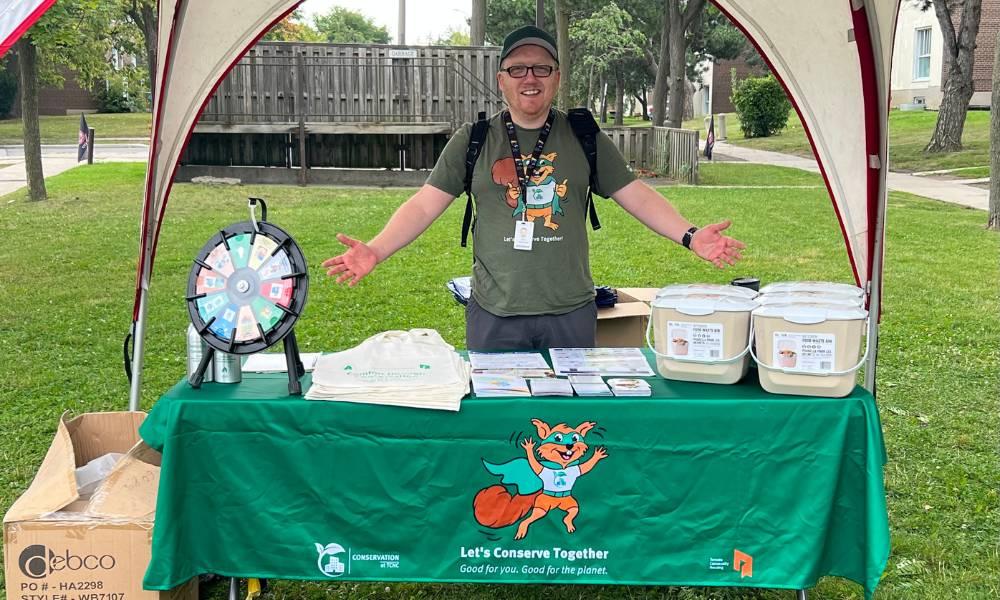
x: 59, y: 158
x: 954, y: 192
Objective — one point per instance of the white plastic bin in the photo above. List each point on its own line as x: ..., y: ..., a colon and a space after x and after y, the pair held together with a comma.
x: 701, y: 337
x: 688, y: 289
x: 823, y: 288
x: 809, y: 298
x: 808, y: 349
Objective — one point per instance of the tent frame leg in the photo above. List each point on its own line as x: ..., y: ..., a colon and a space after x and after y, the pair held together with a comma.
x: 800, y: 595
x: 138, y: 348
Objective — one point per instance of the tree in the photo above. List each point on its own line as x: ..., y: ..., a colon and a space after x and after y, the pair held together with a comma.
x: 344, y: 26
x: 959, y: 55
x: 27, y: 65
x: 608, y: 38
x: 142, y: 14
x: 994, y: 222
x: 681, y: 20
x: 504, y: 17
x: 562, y: 41
x: 73, y: 33
x: 293, y: 29
x: 452, y: 37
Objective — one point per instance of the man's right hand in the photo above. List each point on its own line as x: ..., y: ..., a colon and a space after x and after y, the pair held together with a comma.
x: 359, y: 260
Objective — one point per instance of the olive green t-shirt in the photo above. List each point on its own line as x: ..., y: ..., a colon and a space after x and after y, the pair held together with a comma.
x: 554, y: 276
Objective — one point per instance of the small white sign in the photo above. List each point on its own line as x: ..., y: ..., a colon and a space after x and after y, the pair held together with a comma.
x: 399, y: 53
x: 807, y: 352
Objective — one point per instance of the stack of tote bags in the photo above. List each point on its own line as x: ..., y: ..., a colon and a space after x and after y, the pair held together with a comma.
x: 415, y: 368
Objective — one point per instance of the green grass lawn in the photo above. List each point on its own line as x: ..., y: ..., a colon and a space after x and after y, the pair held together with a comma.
x: 67, y: 271
x: 973, y: 173
x: 909, y: 133
x: 737, y: 174
x: 65, y: 129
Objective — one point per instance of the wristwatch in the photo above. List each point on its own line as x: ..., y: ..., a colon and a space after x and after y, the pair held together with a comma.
x: 688, y: 236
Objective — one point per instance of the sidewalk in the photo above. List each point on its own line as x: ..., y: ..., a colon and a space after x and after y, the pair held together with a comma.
x: 953, y: 192
x: 59, y: 158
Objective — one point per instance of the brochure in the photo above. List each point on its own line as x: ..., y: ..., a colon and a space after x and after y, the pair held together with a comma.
x: 497, y: 386
x: 522, y: 364
x: 630, y: 387
x: 550, y: 386
x: 589, y: 385
x: 626, y: 362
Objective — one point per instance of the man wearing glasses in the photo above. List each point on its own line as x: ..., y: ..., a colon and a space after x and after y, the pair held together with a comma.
x: 531, y: 282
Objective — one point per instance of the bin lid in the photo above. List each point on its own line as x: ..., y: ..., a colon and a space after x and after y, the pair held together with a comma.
x: 808, y: 313
x: 827, y: 287
x: 704, y: 304
x: 682, y: 289
x: 808, y: 297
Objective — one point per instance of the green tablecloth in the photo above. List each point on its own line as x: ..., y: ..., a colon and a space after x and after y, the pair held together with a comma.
x: 702, y: 485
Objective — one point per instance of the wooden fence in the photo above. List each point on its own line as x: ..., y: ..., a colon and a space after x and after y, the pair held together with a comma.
x: 325, y: 85
x: 667, y: 152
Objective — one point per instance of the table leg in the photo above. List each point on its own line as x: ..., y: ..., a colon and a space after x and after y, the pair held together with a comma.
x: 234, y: 589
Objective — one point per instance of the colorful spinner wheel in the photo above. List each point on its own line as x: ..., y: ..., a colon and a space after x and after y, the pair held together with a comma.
x: 247, y: 287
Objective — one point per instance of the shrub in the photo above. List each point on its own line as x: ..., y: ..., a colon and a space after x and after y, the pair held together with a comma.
x: 761, y: 105
x: 8, y: 89
x: 122, y: 93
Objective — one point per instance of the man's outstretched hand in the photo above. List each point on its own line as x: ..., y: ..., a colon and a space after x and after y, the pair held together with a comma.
x: 352, y: 265
x: 709, y: 243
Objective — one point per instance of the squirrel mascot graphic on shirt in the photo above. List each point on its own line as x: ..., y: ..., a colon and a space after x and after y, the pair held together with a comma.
x: 542, y: 480
x: 544, y: 195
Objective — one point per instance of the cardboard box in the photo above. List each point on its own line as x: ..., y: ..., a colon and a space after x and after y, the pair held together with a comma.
x: 624, y: 324
x: 59, y: 547
x: 646, y: 295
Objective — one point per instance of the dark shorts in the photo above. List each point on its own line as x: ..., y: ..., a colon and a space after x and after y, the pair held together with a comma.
x: 486, y: 331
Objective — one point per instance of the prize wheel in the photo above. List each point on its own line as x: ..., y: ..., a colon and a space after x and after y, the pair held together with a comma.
x: 247, y: 287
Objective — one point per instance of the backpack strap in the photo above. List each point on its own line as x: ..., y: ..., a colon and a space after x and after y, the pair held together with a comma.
x: 476, y: 140
x: 586, y: 129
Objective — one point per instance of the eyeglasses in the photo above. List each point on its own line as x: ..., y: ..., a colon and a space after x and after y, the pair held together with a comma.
x: 521, y: 71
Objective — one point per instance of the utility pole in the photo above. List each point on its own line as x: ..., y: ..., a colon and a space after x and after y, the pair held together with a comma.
x: 478, y: 33
x: 401, y: 38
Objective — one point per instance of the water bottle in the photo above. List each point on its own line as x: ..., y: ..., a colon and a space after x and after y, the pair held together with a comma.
x: 227, y: 368
x: 196, y: 348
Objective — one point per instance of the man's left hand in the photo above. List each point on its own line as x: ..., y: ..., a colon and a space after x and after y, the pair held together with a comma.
x: 709, y: 243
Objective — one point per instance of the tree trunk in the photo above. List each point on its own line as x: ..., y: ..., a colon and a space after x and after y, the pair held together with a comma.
x: 143, y: 14
x: 661, y: 83
x: 957, y: 87
x: 565, y: 64
x: 680, y: 22
x: 540, y: 14
x: 641, y: 97
x: 478, y: 23
x: 590, y: 89
x: 675, y: 103
x: 619, y: 98
x: 604, y: 98
x: 994, y: 222
x: 28, y: 67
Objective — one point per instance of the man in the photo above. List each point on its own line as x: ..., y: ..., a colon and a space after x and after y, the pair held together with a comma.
x: 531, y: 282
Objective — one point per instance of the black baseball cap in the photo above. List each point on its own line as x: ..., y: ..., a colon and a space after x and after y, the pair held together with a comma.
x: 528, y: 35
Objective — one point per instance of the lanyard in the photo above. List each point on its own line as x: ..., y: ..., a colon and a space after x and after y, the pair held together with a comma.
x: 525, y: 171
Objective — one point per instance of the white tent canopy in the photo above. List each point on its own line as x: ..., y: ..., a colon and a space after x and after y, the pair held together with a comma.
x: 832, y: 56
x: 16, y: 17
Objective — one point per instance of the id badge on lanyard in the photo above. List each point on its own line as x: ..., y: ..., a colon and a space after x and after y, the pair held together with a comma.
x: 524, y: 230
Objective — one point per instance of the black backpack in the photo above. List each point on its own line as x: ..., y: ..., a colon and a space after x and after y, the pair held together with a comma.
x: 585, y: 129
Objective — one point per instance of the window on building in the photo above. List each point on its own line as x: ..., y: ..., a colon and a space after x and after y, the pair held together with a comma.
x: 706, y: 94
x: 922, y: 54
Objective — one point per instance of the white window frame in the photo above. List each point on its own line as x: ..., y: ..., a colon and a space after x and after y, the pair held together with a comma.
x: 917, y: 57
x: 706, y: 91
